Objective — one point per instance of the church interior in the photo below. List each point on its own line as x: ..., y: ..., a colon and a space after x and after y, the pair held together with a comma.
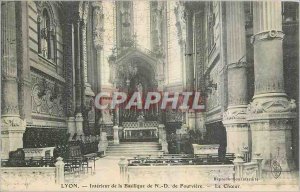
x: 241, y: 56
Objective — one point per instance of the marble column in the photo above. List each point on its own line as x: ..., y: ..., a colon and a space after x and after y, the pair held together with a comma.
x: 188, y: 53
x: 87, y: 92
x: 12, y: 126
x: 24, y: 78
x: 69, y: 65
x: 234, y: 118
x: 78, y: 87
x: 270, y: 112
x: 98, y: 44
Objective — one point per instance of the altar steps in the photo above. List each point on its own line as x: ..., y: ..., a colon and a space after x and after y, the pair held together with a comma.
x: 131, y: 149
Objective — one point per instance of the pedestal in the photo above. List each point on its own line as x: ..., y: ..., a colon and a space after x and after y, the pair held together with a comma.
x: 12, y: 130
x: 161, y: 128
x: 116, y: 134
x: 237, y: 129
x: 103, y: 143
x: 270, y: 122
x: 79, y: 124
x: 71, y: 126
x: 163, y: 138
x: 191, y: 120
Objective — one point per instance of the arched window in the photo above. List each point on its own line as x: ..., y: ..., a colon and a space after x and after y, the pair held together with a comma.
x: 46, y: 36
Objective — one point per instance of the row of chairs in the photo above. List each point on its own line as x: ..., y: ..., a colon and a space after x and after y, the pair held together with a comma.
x: 78, y: 162
x: 182, y: 159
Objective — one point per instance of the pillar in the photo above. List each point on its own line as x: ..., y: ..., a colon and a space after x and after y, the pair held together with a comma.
x: 189, y: 53
x: 78, y: 87
x: 24, y: 79
x: 162, y: 137
x: 69, y: 59
x: 234, y: 118
x: 103, y: 143
x: 87, y: 92
x: 270, y: 112
x: 116, y: 134
x: 98, y: 44
x: 71, y: 126
x: 12, y: 126
x: 59, y: 171
x: 88, y: 89
x: 79, y: 124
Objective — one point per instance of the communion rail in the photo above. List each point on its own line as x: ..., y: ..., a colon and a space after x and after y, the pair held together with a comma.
x: 26, y: 178
x: 171, y: 169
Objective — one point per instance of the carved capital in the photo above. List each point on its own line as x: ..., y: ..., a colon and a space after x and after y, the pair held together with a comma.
x: 271, y: 105
x: 235, y: 113
x: 12, y: 123
x: 237, y: 65
x: 267, y: 35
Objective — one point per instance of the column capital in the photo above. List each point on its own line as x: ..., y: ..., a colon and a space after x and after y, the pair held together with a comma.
x: 267, y: 35
x: 242, y: 64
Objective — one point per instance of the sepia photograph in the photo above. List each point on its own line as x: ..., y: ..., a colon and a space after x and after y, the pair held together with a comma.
x: 149, y: 95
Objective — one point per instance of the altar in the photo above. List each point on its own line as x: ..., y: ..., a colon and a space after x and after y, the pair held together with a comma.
x: 140, y: 130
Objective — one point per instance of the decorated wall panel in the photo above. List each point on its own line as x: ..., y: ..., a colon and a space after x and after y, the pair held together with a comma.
x: 214, y: 96
x: 47, y: 97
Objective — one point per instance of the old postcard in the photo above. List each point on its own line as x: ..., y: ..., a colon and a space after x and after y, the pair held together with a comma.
x: 149, y: 95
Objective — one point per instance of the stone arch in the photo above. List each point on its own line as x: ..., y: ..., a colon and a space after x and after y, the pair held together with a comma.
x: 151, y: 61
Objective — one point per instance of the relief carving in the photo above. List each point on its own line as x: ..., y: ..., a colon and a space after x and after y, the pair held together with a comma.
x: 272, y: 106
x: 47, y: 96
x: 231, y: 114
x: 11, y: 122
x: 98, y: 25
